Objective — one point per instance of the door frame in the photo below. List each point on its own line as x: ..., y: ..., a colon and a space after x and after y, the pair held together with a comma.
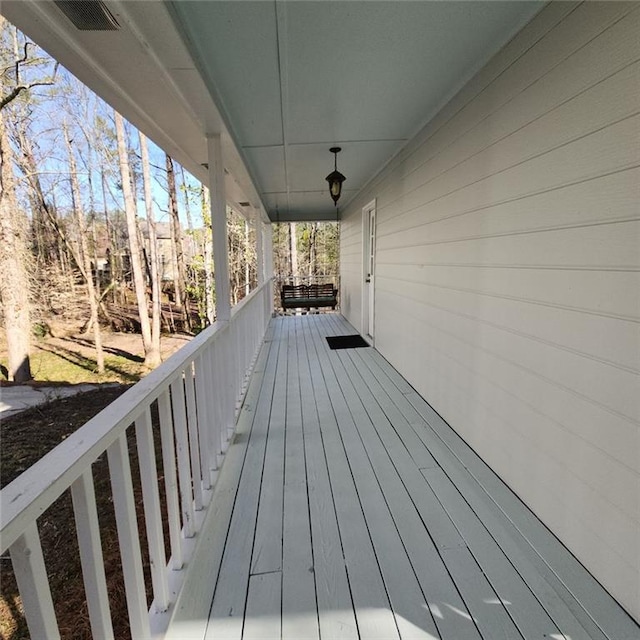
x: 368, y: 271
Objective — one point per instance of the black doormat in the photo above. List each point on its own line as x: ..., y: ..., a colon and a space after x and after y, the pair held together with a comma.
x: 347, y: 342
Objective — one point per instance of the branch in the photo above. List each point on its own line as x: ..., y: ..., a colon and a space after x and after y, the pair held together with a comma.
x: 21, y: 60
x: 16, y: 91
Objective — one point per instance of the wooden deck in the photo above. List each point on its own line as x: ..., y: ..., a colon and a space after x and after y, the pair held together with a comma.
x: 347, y: 508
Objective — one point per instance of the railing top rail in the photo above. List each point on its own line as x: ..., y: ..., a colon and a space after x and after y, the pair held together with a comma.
x: 34, y: 490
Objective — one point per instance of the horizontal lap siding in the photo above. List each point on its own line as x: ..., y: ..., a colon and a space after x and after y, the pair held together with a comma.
x: 508, y: 275
x: 351, y: 271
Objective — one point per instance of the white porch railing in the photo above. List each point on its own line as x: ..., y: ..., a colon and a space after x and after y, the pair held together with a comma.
x: 198, y: 393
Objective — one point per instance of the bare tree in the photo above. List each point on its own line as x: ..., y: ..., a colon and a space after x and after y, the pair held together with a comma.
x: 242, y: 255
x: 247, y: 262
x: 51, y: 253
x: 21, y: 59
x: 293, y: 249
x: 83, y: 257
x: 313, y: 251
x: 187, y: 199
x: 179, y: 276
x: 316, y: 249
x: 208, y: 257
x: 55, y: 250
x: 154, y: 355
x: 134, y: 245
x: 14, y: 290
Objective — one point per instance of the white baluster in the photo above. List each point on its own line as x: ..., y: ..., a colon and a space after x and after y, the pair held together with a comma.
x: 124, y: 506
x: 194, y: 443
x: 33, y: 584
x: 205, y: 425
x: 182, y: 444
x: 216, y: 365
x: 152, y: 514
x: 92, y: 561
x: 170, y: 478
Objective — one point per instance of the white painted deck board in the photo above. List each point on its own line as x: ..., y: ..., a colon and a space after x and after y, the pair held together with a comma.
x: 373, y: 612
x: 527, y: 539
x: 262, y: 617
x: 413, y: 617
x: 492, y: 519
x: 267, y: 548
x: 336, y: 615
x: 423, y: 524
x: 358, y: 515
x: 583, y: 595
x: 419, y: 518
x: 228, y: 608
x: 526, y: 611
x: 189, y: 617
x: 299, y: 605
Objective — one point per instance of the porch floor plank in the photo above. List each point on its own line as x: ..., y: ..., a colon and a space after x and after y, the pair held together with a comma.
x: 336, y: 614
x: 370, y: 601
x: 229, y: 602
x: 360, y: 514
x: 299, y: 605
x: 558, y: 580
x: 413, y: 617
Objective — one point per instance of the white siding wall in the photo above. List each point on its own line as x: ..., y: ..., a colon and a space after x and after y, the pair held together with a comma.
x: 508, y: 275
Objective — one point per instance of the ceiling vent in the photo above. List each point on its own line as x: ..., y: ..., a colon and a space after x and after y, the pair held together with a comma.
x: 88, y: 15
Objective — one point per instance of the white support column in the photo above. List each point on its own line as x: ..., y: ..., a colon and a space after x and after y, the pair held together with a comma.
x: 260, y: 264
x: 219, y: 227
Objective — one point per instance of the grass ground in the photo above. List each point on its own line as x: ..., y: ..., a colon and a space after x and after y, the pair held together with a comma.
x: 71, y: 358
x: 48, y: 365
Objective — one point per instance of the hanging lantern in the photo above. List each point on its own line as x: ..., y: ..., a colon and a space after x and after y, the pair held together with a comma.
x: 335, y: 178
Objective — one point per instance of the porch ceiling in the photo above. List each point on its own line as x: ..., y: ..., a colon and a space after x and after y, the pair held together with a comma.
x: 282, y: 81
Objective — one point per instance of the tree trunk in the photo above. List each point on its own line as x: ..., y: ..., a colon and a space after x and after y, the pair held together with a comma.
x: 83, y: 257
x: 134, y: 246
x: 113, y: 249
x: 40, y: 221
x: 154, y: 355
x: 187, y: 200
x: 14, y: 283
x: 210, y: 303
x: 247, y: 261
x: 94, y: 235
x: 293, y: 250
x: 179, y: 278
x: 51, y: 255
x: 66, y: 250
x: 313, y: 232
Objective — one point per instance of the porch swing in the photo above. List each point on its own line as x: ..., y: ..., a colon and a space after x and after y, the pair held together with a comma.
x: 313, y: 295
x: 305, y: 296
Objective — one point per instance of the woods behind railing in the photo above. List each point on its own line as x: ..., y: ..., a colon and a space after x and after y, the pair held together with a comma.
x: 198, y: 392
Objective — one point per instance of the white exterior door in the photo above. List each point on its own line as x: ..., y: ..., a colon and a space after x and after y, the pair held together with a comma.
x: 369, y: 267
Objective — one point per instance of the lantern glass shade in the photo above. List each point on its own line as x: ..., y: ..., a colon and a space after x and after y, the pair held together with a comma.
x: 335, y: 180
